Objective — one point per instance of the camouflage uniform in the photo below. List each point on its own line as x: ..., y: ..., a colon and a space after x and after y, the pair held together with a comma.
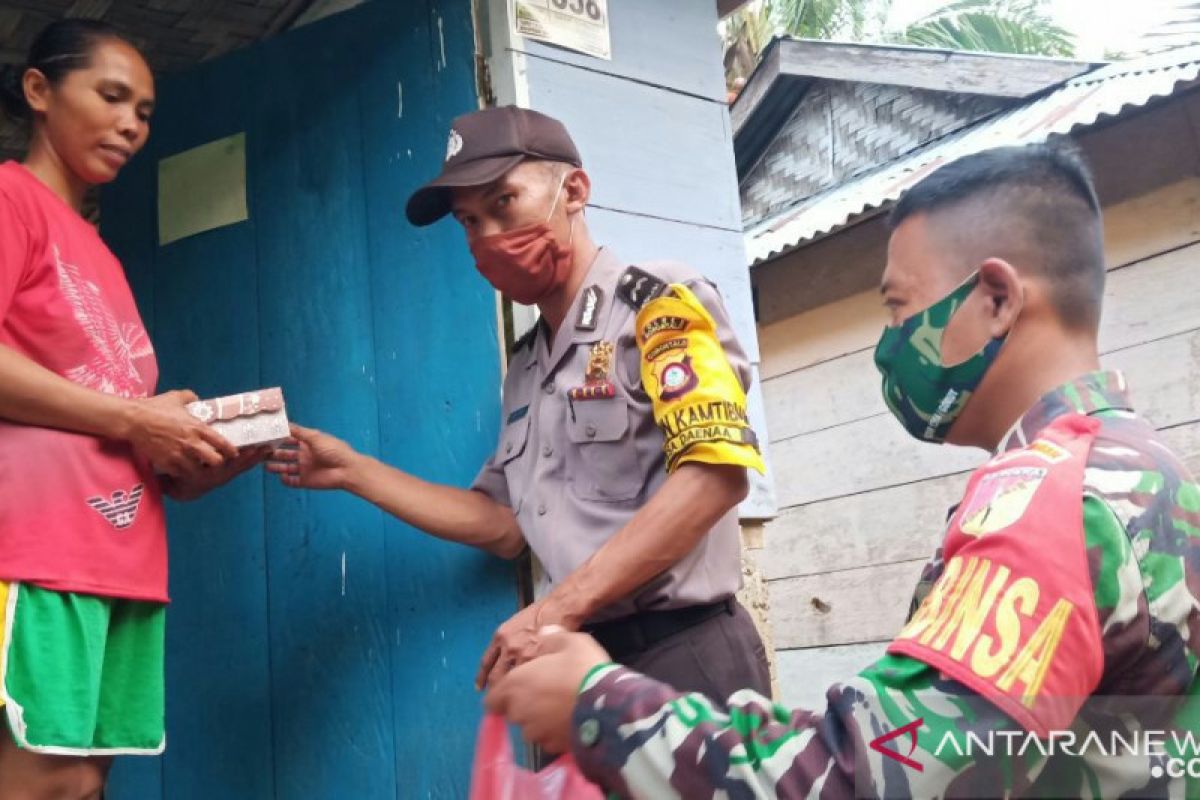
x: 1139, y: 573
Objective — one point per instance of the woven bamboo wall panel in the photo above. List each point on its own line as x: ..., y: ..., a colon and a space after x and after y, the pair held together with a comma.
x: 841, y: 129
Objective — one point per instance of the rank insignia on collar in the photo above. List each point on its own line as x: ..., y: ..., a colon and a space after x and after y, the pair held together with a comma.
x: 589, y: 308
x: 597, y: 385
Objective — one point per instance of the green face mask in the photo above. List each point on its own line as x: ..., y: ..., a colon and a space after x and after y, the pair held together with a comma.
x: 922, y: 392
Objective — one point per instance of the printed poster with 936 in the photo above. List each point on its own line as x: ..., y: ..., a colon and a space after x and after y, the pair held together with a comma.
x: 580, y: 25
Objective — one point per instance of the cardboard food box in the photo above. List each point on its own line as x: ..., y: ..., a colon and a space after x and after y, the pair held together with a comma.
x: 247, y: 419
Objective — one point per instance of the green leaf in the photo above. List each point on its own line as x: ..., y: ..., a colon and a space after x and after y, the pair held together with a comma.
x: 993, y: 26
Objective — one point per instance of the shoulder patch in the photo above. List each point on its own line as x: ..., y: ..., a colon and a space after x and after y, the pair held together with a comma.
x: 1013, y: 615
x: 637, y: 287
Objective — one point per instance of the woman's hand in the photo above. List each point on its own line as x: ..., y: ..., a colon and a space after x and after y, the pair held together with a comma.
x: 202, y: 480
x: 172, y: 440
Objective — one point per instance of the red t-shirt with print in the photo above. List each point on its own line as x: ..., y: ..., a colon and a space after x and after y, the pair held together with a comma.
x: 77, y: 513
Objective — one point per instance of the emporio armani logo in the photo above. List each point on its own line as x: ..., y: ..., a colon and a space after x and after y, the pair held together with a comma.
x: 122, y: 508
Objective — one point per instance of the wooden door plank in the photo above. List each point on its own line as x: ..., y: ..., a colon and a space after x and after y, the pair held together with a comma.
x: 438, y: 380
x: 330, y: 652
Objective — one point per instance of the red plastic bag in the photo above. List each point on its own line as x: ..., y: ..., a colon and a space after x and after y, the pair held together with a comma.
x: 496, y: 776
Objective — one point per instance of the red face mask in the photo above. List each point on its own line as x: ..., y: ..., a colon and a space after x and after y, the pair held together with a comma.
x: 525, y: 264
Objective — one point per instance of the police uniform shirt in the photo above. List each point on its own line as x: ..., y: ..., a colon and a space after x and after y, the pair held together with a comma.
x: 575, y: 466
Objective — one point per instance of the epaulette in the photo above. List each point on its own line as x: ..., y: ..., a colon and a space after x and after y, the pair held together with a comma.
x: 638, y: 287
x: 526, y: 339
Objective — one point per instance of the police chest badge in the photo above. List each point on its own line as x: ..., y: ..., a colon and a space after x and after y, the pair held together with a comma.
x: 597, y: 385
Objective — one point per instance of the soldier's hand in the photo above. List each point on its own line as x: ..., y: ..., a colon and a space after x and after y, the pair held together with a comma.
x: 540, y: 695
x: 313, y: 460
x: 513, y: 643
x: 172, y: 440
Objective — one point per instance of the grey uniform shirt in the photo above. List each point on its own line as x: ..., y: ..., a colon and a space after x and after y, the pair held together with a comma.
x: 575, y: 471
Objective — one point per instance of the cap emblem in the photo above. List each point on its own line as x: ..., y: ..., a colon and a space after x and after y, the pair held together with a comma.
x: 453, y: 145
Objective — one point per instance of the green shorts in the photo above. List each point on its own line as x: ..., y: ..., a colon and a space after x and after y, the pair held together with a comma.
x: 81, y: 675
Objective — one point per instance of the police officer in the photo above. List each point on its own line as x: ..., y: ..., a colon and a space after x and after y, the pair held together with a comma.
x: 624, y: 441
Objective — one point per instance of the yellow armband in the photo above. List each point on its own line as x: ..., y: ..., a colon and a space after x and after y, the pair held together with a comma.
x: 699, y: 404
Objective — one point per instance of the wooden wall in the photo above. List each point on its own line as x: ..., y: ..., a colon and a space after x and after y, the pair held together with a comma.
x: 862, y: 505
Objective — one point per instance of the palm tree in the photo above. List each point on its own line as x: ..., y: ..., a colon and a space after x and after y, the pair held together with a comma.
x: 746, y: 34
x: 994, y: 26
x: 829, y: 19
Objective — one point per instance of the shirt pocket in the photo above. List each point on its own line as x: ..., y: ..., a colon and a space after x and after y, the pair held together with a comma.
x: 603, y: 462
x: 514, y: 443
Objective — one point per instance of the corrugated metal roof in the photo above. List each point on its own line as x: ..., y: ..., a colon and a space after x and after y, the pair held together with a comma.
x: 1078, y: 103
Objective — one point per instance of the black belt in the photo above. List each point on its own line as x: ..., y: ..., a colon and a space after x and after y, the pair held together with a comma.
x: 633, y: 634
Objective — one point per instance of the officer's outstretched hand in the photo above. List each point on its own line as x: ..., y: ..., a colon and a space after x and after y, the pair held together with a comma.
x: 540, y: 695
x: 313, y: 460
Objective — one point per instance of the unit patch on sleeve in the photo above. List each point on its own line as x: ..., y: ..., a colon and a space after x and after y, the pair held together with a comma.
x: 699, y: 403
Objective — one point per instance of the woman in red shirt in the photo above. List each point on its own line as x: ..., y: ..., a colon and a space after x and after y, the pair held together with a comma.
x: 86, y: 449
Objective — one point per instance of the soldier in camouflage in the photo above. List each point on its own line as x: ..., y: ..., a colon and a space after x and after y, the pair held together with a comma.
x: 1054, y: 640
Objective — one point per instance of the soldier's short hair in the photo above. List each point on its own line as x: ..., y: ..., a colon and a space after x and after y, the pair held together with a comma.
x: 1034, y: 206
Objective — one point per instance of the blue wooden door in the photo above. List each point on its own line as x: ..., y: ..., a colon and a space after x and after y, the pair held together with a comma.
x: 316, y: 647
